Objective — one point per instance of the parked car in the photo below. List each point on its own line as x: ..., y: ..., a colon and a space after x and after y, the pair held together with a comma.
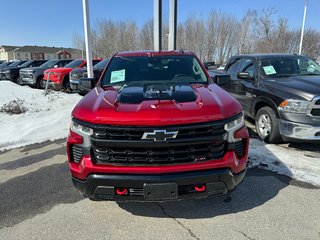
x: 12, y: 64
x: 59, y: 77
x: 281, y: 92
x: 12, y: 72
x: 78, y: 73
x: 156, y: 128
x: 5, y: 64
x: 33, y: 76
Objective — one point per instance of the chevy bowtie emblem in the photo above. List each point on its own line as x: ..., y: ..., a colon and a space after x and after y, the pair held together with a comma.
x: 159, y: 135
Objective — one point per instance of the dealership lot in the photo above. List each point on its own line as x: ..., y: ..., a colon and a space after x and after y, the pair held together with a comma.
x: 38, y: 201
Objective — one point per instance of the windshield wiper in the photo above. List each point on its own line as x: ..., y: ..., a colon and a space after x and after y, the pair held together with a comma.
x: 285, y: 75
x: 309, y: 74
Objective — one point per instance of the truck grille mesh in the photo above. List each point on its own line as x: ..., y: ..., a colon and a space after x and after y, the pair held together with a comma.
x: 76, y: 153
x: 240, y: 148
x: 316, y: 108
x: 159, y: 155
x: 123, y: 145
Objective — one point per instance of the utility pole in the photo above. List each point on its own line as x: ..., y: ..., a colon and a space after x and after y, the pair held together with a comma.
x: 87, y: 36
x: 157, y: 25
x: 302, y: 29
x: 172, y: 41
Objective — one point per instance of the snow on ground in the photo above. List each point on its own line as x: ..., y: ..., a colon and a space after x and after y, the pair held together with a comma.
x: 48, y: 118
x: 303, y: 165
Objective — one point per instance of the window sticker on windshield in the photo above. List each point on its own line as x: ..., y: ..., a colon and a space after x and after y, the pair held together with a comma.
x: 118, y: 76
x: 269, y: 70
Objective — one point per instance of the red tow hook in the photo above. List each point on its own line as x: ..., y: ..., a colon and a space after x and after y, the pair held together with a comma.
x: 200, y: 188
x: 121, y: 191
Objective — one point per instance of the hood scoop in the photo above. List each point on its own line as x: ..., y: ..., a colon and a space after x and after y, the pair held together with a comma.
x: 135, y: 94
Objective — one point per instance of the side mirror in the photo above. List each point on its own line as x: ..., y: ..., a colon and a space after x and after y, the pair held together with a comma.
x: 85, y: 85
x: 209, y: 65
x: 55, y: 66
x: 243, y: 75
x: 222, y: 80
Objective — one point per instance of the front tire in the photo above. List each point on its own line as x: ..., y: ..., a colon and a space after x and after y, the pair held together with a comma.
x: 66, y: 85
x: 40, y: 83
x: 267, y: 125
x: 19, y: 81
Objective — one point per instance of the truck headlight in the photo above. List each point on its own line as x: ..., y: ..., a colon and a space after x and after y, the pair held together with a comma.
x: 83, y: 131
x: 294, y: 106
x: 80, y: 129
x: 232, y: 126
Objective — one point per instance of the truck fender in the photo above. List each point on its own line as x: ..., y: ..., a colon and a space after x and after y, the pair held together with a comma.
x: 262, y: 101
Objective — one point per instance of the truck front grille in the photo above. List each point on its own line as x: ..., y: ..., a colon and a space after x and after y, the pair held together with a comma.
x: 124, y: 145
x: 315, y: 111
x: 158, y: 155
x: 120, y: 133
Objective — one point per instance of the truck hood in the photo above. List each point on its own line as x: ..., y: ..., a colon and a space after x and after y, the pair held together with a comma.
x: 10, y: 68
x: 59, y: 70
x: 137, y: 106
x: 34, y: 68
x: 298, y: 87
x: 5, y: 69
x: 79, y: 71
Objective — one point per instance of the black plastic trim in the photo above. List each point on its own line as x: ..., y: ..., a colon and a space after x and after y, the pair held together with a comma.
x: 93, y: 187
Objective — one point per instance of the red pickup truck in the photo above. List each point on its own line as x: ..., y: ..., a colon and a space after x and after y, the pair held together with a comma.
x: 156, y: 128
x: 59, y: 77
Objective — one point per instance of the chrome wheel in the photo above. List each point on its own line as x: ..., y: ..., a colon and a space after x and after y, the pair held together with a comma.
x: 19, y: 81
x: 265, y: 125
x: 42, y: 84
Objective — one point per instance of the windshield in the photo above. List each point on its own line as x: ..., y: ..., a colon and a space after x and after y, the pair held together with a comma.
x: 26, y: 64
x: 286, y: 66
x: 15, y: 64
x: 74, y: 64
x: 101, y: 64
x: 50, y: 63
x: 181, y: 69
x: 5, y: 64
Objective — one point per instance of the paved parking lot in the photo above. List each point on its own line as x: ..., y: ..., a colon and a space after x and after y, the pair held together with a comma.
x: 38, y: 201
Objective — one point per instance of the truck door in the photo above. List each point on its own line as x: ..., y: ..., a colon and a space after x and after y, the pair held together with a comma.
x: 242, y: 89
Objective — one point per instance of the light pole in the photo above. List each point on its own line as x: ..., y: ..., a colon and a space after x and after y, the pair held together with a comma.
x: 157, y: 25
x: 172, y: 41
x: 302, y: 29
x: 86, y: 21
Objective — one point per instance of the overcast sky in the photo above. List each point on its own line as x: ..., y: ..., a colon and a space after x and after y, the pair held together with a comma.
x: 52, y: 23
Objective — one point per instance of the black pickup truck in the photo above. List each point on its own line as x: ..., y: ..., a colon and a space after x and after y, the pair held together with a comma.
x: 281, y: 92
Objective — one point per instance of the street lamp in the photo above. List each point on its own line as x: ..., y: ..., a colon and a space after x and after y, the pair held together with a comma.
x: 87, y: 35
x: 302, y: 29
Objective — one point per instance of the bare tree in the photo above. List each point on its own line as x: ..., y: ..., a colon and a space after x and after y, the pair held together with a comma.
x: 78, y: 43
x: 216, y: 36
x: 146, y: 35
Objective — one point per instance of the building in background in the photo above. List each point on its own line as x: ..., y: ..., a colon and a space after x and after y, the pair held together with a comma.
x: 37, y: 53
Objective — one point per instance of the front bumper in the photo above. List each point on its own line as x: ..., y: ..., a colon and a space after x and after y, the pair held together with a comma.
x: 28, y: 78
x: 54, y: 85
x: 74, y: 84
x: 298, y: 131
x: 5, y: 76
x: 104, y: 186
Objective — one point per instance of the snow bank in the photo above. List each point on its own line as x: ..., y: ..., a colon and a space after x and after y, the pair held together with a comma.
x: 299, y: 164
x: 47, y: 117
